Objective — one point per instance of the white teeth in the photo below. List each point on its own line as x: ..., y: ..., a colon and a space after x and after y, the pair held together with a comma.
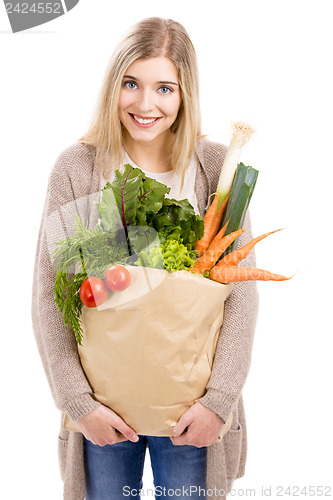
x: 143, y: 120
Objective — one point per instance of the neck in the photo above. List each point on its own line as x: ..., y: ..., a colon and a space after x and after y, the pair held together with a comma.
x: 151, y: 156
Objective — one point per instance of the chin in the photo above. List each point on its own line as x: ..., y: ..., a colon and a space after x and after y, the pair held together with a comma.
x: 143, y: 136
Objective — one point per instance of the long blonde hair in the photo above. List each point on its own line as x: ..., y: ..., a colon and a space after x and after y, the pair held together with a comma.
x: 151, y: 37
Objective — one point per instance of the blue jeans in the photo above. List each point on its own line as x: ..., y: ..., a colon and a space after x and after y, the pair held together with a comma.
x: 114, y: 471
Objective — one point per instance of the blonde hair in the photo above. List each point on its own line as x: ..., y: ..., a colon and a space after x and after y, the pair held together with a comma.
x: 151, y: 37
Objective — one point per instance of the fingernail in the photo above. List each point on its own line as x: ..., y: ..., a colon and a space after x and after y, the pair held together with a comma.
x: 135, y: 438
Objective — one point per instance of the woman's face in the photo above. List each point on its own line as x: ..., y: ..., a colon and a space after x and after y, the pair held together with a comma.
x: 149, y: 98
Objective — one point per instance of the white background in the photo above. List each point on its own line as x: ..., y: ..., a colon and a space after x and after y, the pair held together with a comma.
x: 267, y: 63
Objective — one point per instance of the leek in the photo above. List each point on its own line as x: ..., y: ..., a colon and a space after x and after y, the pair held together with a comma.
x: 241, y: 134
x: 241, y: 193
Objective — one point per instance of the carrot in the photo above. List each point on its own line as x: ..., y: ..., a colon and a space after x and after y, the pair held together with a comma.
x: 228, y: 274
x: 212, y: 221
x: 215, y: 250
x: 234, y: 258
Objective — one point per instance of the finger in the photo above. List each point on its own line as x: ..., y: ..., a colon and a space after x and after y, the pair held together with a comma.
x: 99, y: 441
x: 120, y: 438
x: 184, y: 421
x: 181, y: 440
x: 112, y: 435
x: 118, y: 425
x: 127, y: 431
x: 188, y: 440
x: 94, y: 438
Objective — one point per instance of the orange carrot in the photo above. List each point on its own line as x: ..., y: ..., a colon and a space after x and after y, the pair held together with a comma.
x: 228, y: 274
x: 215, y: 250
x: 234, y: 258
x: 212, y: 221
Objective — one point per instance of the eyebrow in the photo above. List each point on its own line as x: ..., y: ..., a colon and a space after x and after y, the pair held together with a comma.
x: 162, y: 82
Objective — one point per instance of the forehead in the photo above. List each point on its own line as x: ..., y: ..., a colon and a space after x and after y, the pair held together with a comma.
x: 154, y: 69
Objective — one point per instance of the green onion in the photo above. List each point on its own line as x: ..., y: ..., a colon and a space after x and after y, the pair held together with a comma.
x: 241, y: 134
x: 241, y: 192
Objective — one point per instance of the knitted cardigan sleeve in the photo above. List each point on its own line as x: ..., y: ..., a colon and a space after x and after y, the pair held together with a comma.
x: 234, y: 348
x: 56, y: 343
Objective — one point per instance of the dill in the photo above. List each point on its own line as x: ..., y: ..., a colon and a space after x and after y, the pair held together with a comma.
x: 93, y: 250
x: 67, y: 298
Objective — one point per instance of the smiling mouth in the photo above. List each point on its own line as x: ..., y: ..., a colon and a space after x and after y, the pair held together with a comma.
x: 144, y: 121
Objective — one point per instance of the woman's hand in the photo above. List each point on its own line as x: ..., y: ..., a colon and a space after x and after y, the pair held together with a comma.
x: 203, y: 427
x: 101, y: 427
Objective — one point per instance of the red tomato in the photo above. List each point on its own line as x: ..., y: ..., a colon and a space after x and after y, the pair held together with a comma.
x: 93, y: 292
x: 117, y: 278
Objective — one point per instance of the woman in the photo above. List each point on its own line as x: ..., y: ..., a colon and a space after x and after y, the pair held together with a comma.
x: 148, y: 115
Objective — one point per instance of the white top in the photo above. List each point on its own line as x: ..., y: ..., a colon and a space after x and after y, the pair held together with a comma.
x: 172, y: 180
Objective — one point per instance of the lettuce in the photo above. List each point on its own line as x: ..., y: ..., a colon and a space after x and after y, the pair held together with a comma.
x: 171, y: 255
x: 168, y: 251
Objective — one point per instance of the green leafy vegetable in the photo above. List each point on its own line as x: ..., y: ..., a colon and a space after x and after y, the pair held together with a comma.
x: 176, y: 256
x: 135, y: 200
x: 130, y: 199
x: 138, y: 225
x: 67, y: 298
x: 169, y: 253
x: 96, y: 248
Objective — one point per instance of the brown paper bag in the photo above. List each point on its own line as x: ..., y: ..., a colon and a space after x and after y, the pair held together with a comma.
x: 148, y: 350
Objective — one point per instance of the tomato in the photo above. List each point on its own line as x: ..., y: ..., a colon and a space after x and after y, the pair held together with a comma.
x: 117, y: 278
x: 93, y: 292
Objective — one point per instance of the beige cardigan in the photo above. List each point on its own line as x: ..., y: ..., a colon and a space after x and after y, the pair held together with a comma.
x: 74, y: 181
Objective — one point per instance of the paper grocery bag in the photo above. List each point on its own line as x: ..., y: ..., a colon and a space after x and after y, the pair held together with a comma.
x: 148, y: 350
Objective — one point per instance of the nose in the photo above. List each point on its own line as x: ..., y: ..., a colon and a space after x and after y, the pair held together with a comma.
x: 146, y: 103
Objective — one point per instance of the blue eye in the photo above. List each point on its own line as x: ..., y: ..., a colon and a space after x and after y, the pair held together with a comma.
x: 165, y: 90
x: 130, y: 85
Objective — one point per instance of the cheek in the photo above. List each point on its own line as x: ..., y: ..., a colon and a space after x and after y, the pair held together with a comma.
x: 124, y: 101
x: 172, y: 107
